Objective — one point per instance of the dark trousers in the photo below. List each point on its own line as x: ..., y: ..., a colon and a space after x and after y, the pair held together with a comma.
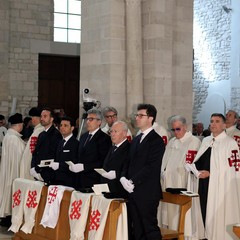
x: 143, y: 224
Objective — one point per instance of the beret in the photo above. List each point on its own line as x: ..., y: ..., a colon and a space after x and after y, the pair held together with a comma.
x: 16, y: 118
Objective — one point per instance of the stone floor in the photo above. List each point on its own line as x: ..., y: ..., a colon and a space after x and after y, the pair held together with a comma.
x: 4, y: 234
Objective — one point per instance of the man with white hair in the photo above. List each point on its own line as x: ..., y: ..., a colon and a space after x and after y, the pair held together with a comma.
x: 231, y: 126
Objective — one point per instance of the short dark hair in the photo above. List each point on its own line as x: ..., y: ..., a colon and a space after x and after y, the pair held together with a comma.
x: 49, y: 110
x: 69, y: 119
x: 219, y: 115
x: 150, y: 110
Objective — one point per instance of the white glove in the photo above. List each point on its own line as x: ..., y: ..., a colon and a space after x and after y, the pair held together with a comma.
x: 127, y: 184
x: 78, y: 167
x: 110, y: 175
x: 35, y: 174
x: 54, y: 165
x: 187, y: 167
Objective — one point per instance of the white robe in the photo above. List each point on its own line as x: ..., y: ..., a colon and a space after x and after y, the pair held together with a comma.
x: 234, y: 133
x: 12, y: 151
x: 25, y: 163
x: 223, y: 203
x: 174, y: 175
x: 3, y: 132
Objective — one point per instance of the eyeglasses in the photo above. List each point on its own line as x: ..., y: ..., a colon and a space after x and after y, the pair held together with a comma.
x: 90, y: 119
x: 175, y: 129
x: 111, y: 116
x: 140, y: 115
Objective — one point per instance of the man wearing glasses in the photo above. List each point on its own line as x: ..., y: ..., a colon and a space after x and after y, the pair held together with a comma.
x: 110, y: 115
x: 181, y: 149
x: 142, y: 177
x: 93, y: 148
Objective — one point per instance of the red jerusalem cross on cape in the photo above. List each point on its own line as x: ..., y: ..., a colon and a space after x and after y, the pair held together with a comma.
x: 94, y: 220
x: 234, y: 160
x: 31, y: 200
x: 16, y: 198
x: 190, y: 156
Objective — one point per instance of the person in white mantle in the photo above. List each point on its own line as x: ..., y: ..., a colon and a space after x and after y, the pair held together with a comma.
x: 181, y: 149
x: 219, y: 181
x: 25, y: 164
x: 231, y: 126
x: 12, y: 150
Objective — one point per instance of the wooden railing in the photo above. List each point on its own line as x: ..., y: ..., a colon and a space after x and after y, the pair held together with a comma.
x: 62, y: 229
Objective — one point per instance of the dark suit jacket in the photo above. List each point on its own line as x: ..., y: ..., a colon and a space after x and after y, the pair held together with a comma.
x: 92, y: 156
x: 69, y: 152
x: 145, y: 166
x: 116, y: 161
x: 46, y: 149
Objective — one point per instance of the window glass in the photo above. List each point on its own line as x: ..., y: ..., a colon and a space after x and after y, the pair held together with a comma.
x: 67, y: 21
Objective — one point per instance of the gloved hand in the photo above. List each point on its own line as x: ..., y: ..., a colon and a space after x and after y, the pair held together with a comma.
x: 35, y: 174
x: 127, y: 184
x: 187, y: 167
x: 54, y: 165
x: 78, y: 167
x: 110, y: 175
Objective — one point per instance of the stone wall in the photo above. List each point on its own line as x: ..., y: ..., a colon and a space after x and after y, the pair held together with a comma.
x: 212, y: 46
x: 24, y: 21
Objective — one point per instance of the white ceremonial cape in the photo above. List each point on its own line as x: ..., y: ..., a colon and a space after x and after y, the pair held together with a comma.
x: 12, y: 151
x: 174, y: 175
x: 223, y: 204
x: 234, y: 133
x: 25, y: 163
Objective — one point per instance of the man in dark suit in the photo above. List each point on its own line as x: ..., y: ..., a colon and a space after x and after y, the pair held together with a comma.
x: 66, y: 151
x: 116, y: 159
x: 46, y: 147
x: 93, y: 148
x: 142, y: 178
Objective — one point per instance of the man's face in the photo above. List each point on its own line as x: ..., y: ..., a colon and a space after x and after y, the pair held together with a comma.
x: 35, y: 121
x: 230, y: 119
x: 143, y: 121
x: 1, y: 123
x: 217, y: 125
x: 178, y: 129
x: 46, y: 119
x: 110, y: 118
x: 117, y: 133
x: 93, y: 122
x: 66, y: 128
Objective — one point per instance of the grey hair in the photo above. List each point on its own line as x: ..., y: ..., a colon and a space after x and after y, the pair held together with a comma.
x: 95, y: 111
x: 109, y: 109
x: 236, y: 114
x: 123, y: 124
x: 178, y: 118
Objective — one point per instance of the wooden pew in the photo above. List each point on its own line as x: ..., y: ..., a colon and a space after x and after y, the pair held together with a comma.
x: 62, y: 229
x: 236, y: 230
x: 185, y: 203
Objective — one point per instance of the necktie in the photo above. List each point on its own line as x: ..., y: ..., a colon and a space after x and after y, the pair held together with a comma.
x: 88, y: 139
x: 61, y: 145
x: 138, y: 138
x: 114, y: 148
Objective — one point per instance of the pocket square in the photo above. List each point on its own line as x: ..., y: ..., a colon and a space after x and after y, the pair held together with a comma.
x: 66, y: 150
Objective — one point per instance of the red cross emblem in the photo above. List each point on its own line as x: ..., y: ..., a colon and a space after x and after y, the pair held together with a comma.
x: 16, y: 198
x: 31, y: 200
x: 164, y: 138
x: 52, y: 194
x: 234, y: 160
x: 237, y: 139
x: 94, y: 220
x: 190, y: 156
x: 75, y: 210
x: 33, y: 143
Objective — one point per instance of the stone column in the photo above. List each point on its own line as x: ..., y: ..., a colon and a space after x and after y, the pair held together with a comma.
x: 134, y: 54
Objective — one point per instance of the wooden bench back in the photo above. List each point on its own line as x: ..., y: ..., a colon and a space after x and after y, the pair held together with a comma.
x: 185, y: 203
